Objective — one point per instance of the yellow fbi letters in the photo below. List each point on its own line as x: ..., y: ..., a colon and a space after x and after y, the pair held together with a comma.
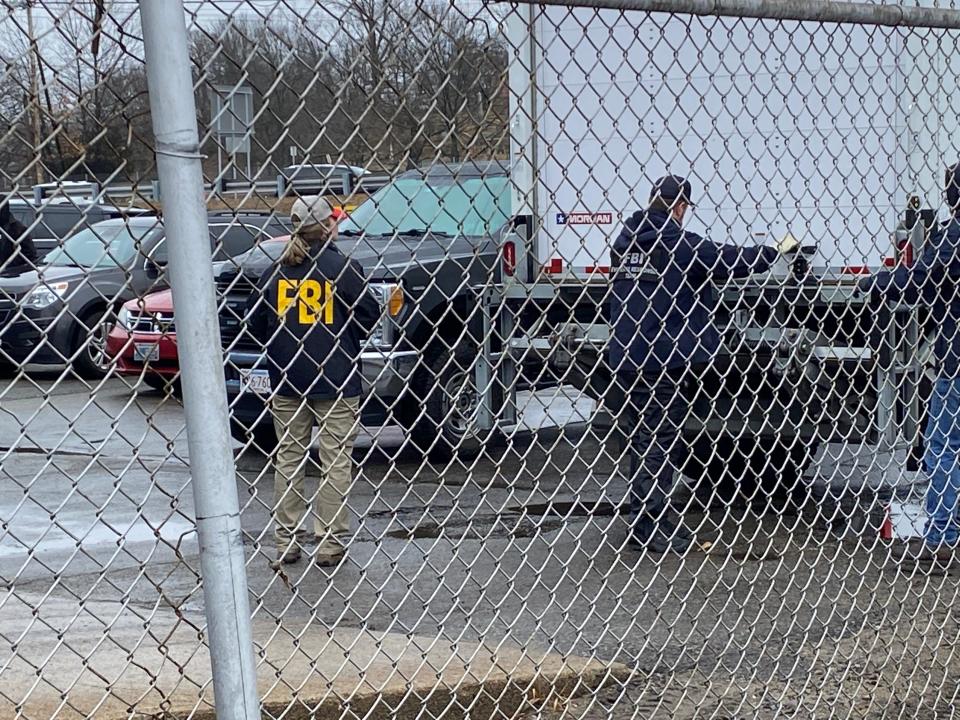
x: 314, y: 300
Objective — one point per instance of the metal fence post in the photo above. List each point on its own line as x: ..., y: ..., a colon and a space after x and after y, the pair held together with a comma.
x: 191, y: 274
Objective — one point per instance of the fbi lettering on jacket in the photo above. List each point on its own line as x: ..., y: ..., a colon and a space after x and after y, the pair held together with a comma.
x: 638, y: 264
x: 313, y: 300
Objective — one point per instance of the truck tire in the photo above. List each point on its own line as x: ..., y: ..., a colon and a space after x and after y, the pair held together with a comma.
x: 716, y: 469
x: 927, y: 380
x: 441, y: 416
x: 759, y: 471
x: 261, y: 437
x: 780, y: 471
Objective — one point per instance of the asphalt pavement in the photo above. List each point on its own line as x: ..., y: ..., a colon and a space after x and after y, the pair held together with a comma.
x: 517, y: 555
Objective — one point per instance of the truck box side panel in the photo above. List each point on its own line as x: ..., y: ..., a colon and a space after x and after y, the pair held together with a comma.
x: 781, y: 126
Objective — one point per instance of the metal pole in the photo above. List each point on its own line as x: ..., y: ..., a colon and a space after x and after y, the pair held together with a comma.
x: 826, y: 11
x: 201, y: 362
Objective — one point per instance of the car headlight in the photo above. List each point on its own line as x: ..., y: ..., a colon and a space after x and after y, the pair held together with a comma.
x: 45, y: 295
x: 123, y: 318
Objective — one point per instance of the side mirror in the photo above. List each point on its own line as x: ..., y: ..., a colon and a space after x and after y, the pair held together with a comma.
x: 153, y: 269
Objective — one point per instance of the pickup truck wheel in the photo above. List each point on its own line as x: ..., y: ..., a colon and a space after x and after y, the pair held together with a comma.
x: 263, y: 436
x: 780, y: 471
x: 716, y: 469
x: 442, y: 418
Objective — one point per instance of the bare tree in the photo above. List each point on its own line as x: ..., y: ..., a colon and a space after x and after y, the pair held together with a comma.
x: 283, y: 66
x: 99, y: 83
x: 424, y: 78
x: 384, y: 83
x: 95, y: 115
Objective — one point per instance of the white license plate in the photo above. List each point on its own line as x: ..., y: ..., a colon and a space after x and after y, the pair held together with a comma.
x: 146, y: 352
x: 255, y: 381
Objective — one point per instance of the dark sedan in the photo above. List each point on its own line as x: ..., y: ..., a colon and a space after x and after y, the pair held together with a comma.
x: 64, y: 311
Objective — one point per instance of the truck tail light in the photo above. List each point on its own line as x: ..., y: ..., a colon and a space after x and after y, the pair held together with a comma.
x: 905, y: 252
x: 902, y: 255
x: 509, y: 258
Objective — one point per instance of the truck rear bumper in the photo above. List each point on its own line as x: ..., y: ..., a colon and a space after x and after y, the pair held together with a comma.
x: 386, y: 376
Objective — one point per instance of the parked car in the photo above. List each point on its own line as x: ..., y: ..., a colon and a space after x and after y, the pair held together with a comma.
x: 143, y: 341
x: 55, y: 220
x: 64, y: 311
x: 424, y: 241
x: 325, y: 179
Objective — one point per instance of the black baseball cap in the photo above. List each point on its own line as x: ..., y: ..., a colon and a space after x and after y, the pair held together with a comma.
x: 672, y: 188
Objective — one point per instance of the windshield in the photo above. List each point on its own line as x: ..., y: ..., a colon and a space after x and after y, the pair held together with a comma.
x: 475, y: 207
x: 103, y: 245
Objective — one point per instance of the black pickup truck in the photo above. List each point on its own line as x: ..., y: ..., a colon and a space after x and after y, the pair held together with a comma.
x: 427, y: 241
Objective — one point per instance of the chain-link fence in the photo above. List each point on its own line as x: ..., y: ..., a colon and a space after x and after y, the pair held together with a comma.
x: 544, y: 359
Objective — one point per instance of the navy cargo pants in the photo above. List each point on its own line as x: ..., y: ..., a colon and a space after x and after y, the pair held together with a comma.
x: 658, y: 406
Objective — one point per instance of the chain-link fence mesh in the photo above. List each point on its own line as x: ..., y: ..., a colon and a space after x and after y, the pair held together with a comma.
x: 580, y: 362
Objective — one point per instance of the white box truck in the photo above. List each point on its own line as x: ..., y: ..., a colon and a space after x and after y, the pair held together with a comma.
x: 820, y: 129
x: 823, y: 130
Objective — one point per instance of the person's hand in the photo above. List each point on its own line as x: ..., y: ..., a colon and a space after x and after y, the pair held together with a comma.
x: 787, y: 244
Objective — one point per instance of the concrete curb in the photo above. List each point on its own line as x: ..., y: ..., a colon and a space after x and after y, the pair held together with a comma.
x: 498, y: 697
x: 395, y: 676
x: 305, y: 671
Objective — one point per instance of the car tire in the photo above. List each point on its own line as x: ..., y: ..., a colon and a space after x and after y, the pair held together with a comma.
x: 262, y: 437
x: 8, y: 368
x: 440, y: 415
x: 91, y: 360
x: 780, y: 471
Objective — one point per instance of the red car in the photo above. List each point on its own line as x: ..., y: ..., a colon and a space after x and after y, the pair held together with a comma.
x: 144, y: 341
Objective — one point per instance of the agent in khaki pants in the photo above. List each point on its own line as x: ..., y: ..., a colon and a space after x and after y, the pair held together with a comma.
x: 312, y: 314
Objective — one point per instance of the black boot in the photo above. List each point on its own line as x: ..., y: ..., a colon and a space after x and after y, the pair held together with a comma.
x: 660, y: 537
x: 670, y: 537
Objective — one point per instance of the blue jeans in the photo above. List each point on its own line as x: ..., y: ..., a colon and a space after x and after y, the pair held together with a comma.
x: 942, y: 440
